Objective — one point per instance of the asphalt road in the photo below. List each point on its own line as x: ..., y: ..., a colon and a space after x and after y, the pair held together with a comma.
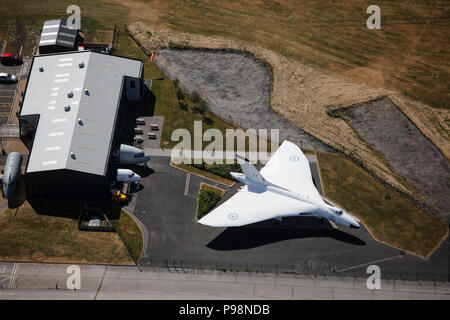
x: 305, y: 243
x: 50, y: 281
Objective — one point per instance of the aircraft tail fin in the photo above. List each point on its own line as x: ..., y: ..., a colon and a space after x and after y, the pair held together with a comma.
x: 249, y: 169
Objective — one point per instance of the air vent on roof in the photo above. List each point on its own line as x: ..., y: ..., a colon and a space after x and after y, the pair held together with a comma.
x: 72, y: 155
x: 80, y: 122
x: 81, y: 65
x: 67, y: 108
x: 86, y: 91
x: 70, y: 94
x: 41, y: 69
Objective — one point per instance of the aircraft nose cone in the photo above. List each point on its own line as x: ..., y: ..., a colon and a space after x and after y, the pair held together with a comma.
x: 354, y: 225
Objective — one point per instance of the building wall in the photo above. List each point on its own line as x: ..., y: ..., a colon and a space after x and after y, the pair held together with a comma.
x: 54, y: 49
x: 133, y: 88
x: 65, y: 185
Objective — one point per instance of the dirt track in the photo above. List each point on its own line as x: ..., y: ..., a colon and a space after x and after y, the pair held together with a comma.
x: 409, y: 152
x: 235, y: 85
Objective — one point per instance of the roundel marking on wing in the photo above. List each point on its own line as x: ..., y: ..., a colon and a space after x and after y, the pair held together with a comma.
x: 294, y: 157
x: 233, y: 216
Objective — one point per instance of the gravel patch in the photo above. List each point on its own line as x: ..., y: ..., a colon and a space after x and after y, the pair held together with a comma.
x: 408, y: 151
x: 235, y: 85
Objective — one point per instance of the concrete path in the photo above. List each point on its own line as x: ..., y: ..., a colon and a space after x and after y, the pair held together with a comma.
x: 49, y: 281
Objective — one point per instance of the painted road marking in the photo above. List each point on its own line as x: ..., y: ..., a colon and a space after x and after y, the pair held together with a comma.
x: 371, y: 262
x: 13, y: 275
x: 186, y: 186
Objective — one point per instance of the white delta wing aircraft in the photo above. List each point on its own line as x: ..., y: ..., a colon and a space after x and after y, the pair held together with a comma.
x: 283, y: 188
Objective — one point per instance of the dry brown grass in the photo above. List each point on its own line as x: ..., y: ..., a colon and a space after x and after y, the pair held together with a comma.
x: 28, y: 236
x: 389, y: 217
x: 303, y: 93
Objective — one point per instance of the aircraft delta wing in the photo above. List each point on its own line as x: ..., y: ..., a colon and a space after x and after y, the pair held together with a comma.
x: 266, y: 193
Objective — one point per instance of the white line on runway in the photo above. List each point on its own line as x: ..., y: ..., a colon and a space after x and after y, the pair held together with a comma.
x: 13, y: 275
x: 7, y: 293
x: 7, y: 278
x: 371, y: 262
x: 186, y: 186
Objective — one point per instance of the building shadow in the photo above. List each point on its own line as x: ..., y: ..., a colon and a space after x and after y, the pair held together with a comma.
x: 73, y: 209
x: 246, y: 237
x: 19, y: 194
x: 148, y: 103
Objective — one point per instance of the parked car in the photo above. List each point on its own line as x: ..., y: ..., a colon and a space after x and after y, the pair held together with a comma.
x: 11, y: 59
x: 7, y: 78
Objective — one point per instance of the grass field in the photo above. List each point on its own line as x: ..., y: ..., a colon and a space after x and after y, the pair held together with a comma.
x: 28, y: 236
x: 130, y: 233
x: 408, y: 55
x: 411, y: 53
x: 208, y: 197
x: 389, y: 217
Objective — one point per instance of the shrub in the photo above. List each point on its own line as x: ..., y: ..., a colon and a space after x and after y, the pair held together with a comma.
x: 208, y: 121
x: 195, y: 97
x: 221, y: 170
x: 207, y: 199
x: 180, y: 94
x: 200, y: 107
x: 183, y: 105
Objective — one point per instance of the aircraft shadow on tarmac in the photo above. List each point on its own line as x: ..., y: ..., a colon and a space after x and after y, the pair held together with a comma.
x: 142, y: 170
x: 253, y: 236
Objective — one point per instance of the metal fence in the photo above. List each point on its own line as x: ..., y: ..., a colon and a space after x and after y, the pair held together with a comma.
x: 305, y: 268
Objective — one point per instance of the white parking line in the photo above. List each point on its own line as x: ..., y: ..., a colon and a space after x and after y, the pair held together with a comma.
x: 186, y: 186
